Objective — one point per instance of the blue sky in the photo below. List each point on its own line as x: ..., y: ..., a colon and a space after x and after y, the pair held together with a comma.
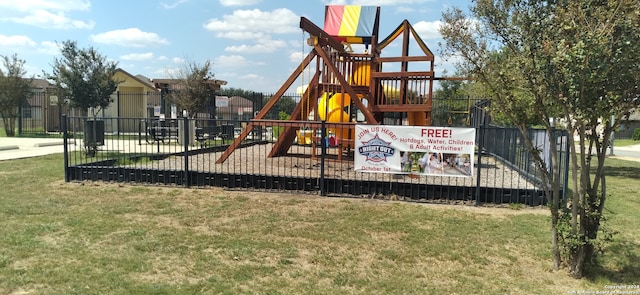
x: 253, y: 44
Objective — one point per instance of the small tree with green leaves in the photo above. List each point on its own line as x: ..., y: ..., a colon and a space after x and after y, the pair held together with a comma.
x: 451, y: 100
x: 15, y: 89
x: 231, y: 91
x: 86, y: 78
x: 575, y: 60
x: 194, y: 88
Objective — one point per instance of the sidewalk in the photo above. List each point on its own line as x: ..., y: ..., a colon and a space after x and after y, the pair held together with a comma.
x: 20, y: 147
x: 628, y: 153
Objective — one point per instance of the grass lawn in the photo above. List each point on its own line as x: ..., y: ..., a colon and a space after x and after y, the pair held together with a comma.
x: 99, y: 238
x: 625, y: 142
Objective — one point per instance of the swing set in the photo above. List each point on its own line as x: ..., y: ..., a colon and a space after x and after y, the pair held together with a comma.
x: 344, y: 88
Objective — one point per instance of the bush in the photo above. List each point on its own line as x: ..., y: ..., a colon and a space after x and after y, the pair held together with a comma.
x: 636, y: 134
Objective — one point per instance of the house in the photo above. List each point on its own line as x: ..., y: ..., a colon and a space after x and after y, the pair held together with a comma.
x: 236, y: 108
x: 42, y: 111
x: 628, y: 126
x: 134, y: 98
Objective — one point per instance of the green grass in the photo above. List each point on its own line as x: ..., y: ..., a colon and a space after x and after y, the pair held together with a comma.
x: 98, y: 238
x: 625, y: 142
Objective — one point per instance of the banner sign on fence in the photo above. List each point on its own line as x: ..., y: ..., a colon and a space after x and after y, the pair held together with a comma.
x: 418, y: 150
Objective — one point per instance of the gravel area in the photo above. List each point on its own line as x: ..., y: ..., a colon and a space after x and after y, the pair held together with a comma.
x: 300, y: 163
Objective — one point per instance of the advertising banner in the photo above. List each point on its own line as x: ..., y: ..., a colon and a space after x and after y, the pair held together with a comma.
x: 421, y: 150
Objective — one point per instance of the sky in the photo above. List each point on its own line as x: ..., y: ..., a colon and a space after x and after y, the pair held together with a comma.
x: 252, y: 44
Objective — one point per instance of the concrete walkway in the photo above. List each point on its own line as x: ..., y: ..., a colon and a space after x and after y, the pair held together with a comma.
x: 20, y: 147
x: 629, y: 153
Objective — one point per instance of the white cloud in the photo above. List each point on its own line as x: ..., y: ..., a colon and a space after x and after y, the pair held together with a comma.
x: 299, y: 44
x: 242, y: 35
x: 49, y: 48
x: 245, y: 24
x: 252, y: 77
x: 57, y: 5
x: 45, y: 13
x: 46, y: 19
x: 239, y: 2
x: 404, y: 9
x: 428, y: 30
x: 262, y: 45
x: 230, y: 61
x: 244, y: 48
x: 296, y: 56
x: 170, y: 72
x: 131, y: 37
x: 137, y: 56
x: 16, y: 41
x: 173, y: 5
x: 178, y: 60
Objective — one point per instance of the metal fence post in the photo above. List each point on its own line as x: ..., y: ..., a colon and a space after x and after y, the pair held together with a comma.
x: 478, y: 163
x: 65, y: 149
x: 119, y: 114
x: 186, y: 149
x: 323, y: 148
x: 567, y: 149
x: 140, y: 132
x: 19, y: 119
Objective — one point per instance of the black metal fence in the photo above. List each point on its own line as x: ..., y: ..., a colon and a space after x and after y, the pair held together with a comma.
x: 40, y: 115
x: 193, y: 152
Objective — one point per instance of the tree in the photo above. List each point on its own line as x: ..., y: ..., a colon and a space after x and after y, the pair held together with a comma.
x: 193, y: 90
x: 14, y: 91
x: 84, y: 76
x: 285, y: 104
x: 451, y: 88
x: 452, y: 101
x: 230, y: 91
x: 574, y: 60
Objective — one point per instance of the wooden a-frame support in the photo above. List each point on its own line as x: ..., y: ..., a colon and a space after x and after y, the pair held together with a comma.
x: 330, y: 54
x: 309, y: 98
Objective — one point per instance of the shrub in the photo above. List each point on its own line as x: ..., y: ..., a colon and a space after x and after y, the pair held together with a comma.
x: 636, y: 134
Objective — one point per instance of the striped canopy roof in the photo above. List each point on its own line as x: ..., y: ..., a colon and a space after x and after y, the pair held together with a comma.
x: 350, y: 23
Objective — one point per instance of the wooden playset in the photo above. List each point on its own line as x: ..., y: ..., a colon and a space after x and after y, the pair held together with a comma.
x: 345, y: 88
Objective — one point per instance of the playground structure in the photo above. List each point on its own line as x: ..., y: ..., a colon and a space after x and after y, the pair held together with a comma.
x: 345, y: 88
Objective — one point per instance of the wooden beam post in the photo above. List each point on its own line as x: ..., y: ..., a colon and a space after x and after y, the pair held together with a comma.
x: 346, y: 86
x: 274, y: 99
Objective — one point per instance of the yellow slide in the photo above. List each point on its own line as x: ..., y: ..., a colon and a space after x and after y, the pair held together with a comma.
x: 331, y: 108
